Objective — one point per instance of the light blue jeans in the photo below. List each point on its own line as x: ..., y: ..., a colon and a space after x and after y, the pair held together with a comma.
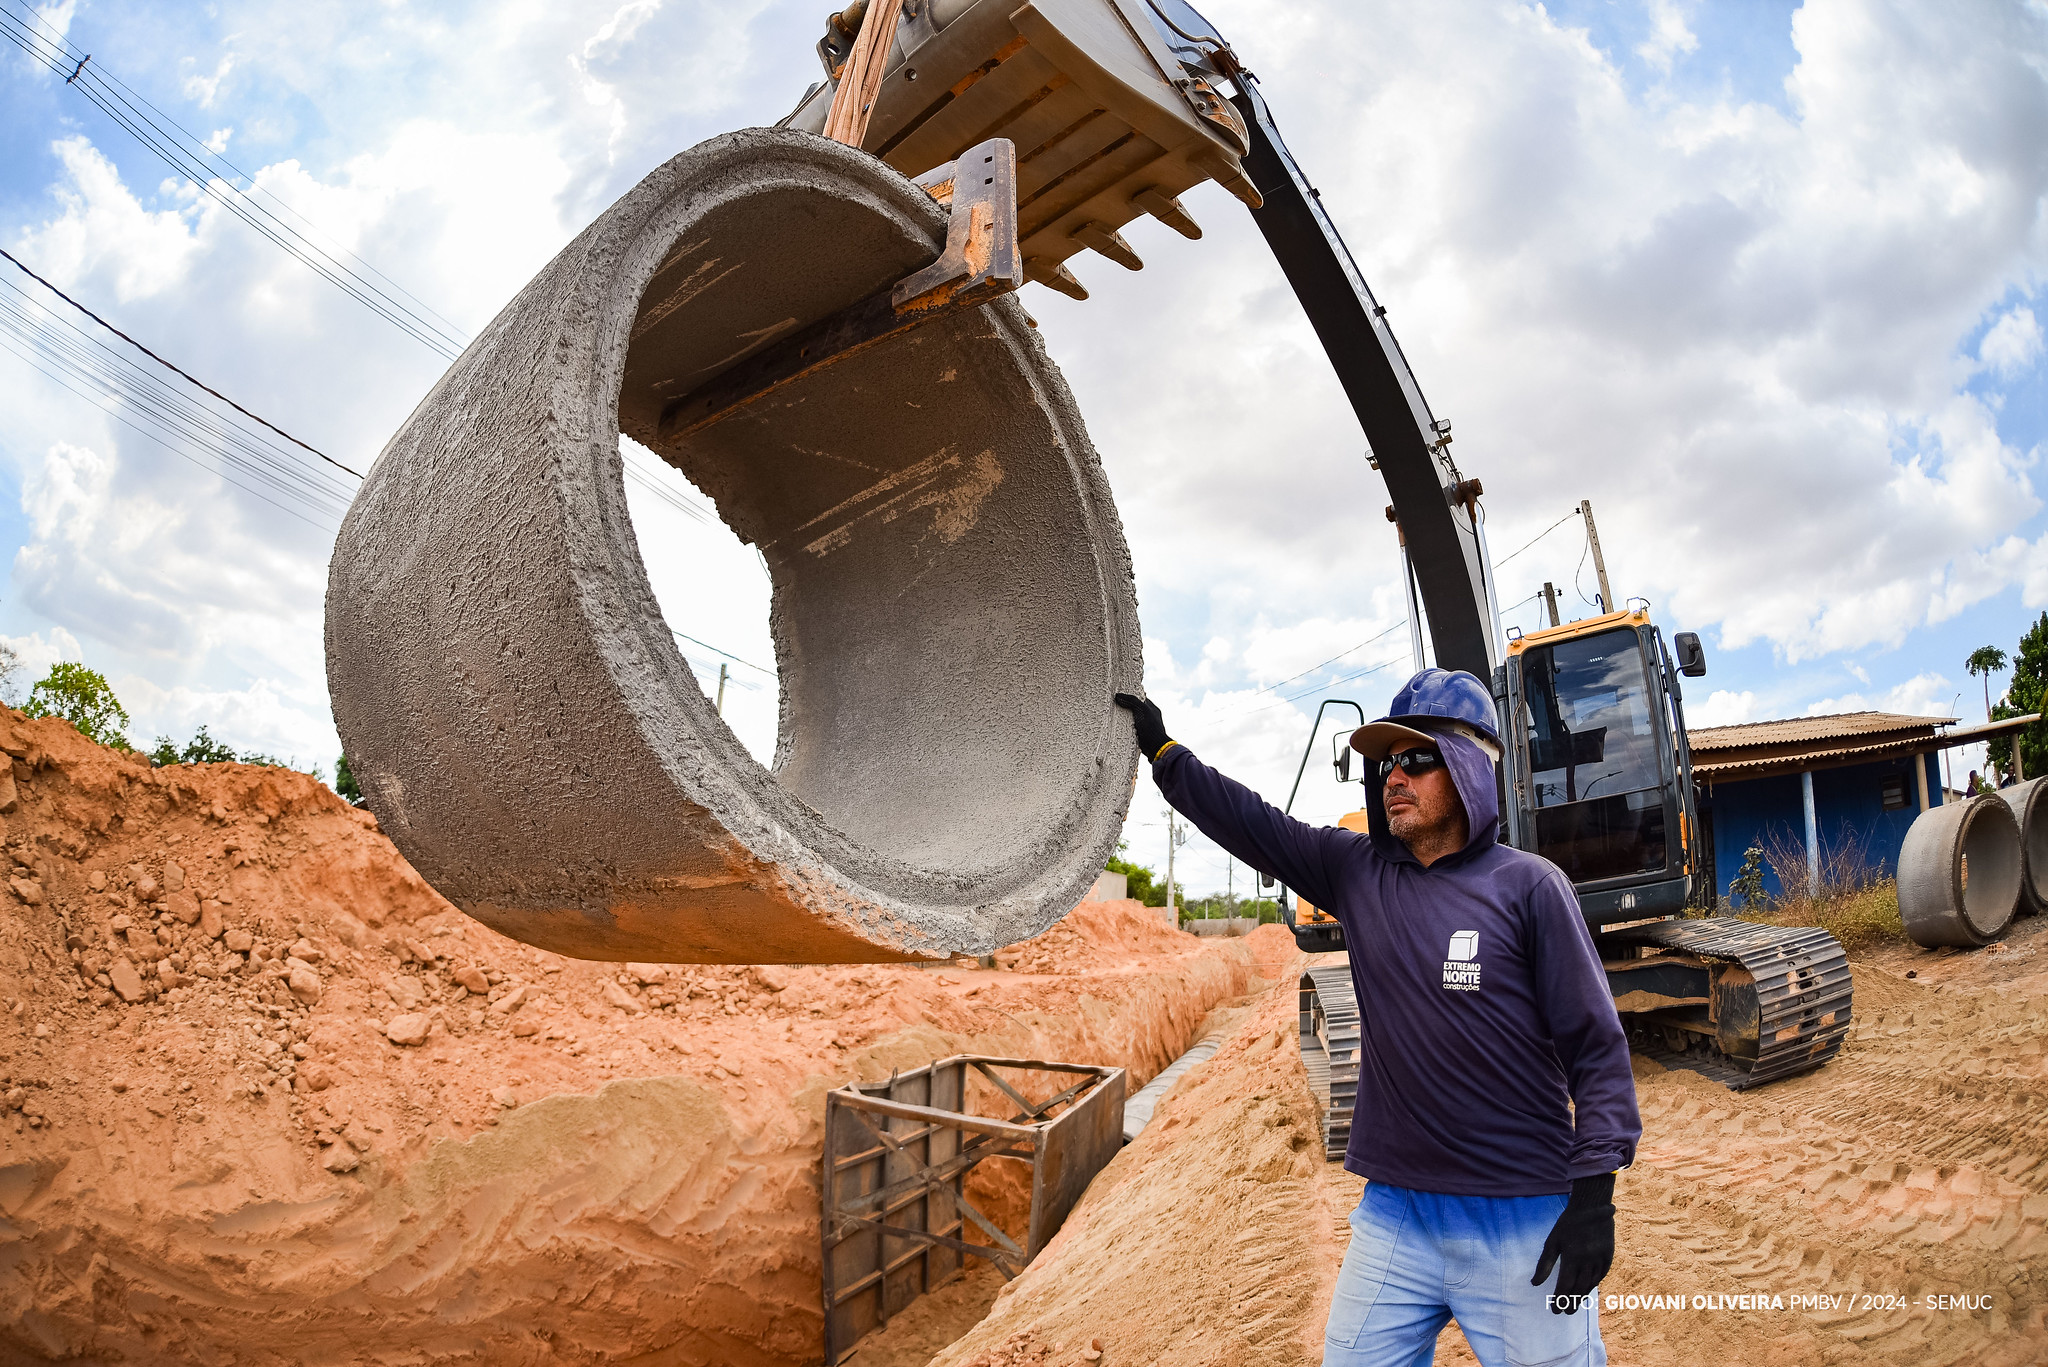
x: 1419, y: 1259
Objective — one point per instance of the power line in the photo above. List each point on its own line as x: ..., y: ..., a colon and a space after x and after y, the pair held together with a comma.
x: 184, y: 374
x: 716, y: 651
x: 150, y: 436
x: 1536, y: 538
x: 191, y: 158
x: 173, y: 412
x: 1332, y: 660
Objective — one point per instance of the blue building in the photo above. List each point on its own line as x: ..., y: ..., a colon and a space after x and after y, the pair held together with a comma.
x: 1839, y: 790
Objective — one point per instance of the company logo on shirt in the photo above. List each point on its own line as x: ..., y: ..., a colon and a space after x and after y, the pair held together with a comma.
x: 1461, y: 967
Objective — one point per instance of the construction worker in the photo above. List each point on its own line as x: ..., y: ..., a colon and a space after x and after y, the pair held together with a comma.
x: 1495, y: 1101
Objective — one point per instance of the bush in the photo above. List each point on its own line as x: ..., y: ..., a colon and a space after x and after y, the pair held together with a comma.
x: 201, y: 749
x: 346, y: 788
x: 82, y: 697
x: 1142, y: 883
x: 1747, y: 887
x: 1854, y: 901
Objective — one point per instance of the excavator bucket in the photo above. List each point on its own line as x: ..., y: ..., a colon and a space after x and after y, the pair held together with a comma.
x: 1106, y: 102
x: 834, y: 359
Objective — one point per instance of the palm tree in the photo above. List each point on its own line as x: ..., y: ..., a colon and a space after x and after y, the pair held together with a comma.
x: 1986, y: 660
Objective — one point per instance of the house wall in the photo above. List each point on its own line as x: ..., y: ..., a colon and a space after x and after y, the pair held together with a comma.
x: 1848, y: 808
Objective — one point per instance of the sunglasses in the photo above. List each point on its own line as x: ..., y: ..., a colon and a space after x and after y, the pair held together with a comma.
x: 1410, y: 762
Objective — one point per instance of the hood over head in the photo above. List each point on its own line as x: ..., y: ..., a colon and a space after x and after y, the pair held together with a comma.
x: 1472, y: 774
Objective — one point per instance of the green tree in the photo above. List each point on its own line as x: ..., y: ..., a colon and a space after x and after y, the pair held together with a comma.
x: 201, y: 749
x: 2027, y: 692
x: 82, y: 697
x: 1986, y: 660
x: 1144, y: 885
x: 345, y: 785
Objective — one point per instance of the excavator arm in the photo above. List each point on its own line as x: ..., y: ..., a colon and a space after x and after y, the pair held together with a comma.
x: 1437, y: 511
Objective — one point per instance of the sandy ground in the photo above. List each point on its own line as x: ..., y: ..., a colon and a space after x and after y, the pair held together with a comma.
x: 1912, y: 1169
x: 269, y: 1099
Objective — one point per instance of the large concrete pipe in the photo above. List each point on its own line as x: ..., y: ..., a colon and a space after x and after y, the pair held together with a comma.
x: 2029, y: 803
x: 1959, y: 873
x: 952, y: 605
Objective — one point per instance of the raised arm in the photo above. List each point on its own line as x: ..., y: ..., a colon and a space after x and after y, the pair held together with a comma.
x: 1234, y: 816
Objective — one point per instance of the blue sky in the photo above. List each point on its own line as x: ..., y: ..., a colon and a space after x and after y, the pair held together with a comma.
x: 1762, y: 281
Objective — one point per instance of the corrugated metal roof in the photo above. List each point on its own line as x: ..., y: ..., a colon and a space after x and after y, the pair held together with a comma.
x: 1866, y: 727
x: 1759, y: 749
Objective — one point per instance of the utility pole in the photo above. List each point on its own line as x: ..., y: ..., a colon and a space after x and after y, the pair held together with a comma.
x: 1170, y: 843
x: 1174, y: 838
x: 1599, y: 561
x: 1550, y: 600
x: 721, y: 690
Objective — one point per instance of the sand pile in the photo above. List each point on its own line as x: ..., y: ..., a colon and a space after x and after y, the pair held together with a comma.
x: 1909, y: 1178
x: 1204, y: 1242
x: 268, y: 1098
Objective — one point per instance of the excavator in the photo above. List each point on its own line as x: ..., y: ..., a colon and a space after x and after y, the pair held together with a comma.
x: 1113, y: 110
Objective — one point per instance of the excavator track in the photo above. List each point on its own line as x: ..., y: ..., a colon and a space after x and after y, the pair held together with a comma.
x: 1798, y: 997
x: 1329, y: 1048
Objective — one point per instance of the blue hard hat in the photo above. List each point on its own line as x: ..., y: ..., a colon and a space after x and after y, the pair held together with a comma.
x: 1435, y: 700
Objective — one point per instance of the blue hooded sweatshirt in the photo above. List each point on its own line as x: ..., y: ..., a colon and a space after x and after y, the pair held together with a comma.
x: 1487, y: 1027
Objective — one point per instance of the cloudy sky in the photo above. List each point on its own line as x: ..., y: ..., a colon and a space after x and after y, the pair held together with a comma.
x: 1763, y: 282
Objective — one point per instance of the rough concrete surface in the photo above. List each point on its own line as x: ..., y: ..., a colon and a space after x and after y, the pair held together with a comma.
x: 953, y: 602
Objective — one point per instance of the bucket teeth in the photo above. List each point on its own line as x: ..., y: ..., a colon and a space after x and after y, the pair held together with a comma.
x: 1169, y: 211
x: 1110, y: 243
x: 1054, y: 275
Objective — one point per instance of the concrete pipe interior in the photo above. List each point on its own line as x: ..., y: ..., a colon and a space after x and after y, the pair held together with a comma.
x: 2029, y: 803
x: 1988, y: 869
x: 952, y: 602
x: 940, y: 650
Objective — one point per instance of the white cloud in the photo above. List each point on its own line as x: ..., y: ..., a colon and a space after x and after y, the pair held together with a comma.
x: 2012, y: 344
x: 1670, y: 37
x: 1722, y: 708
x: 1741, y: 330
x: 204, y: 90
x: 104, y: 230
x: 1923, y: 695
x: 33, y: 657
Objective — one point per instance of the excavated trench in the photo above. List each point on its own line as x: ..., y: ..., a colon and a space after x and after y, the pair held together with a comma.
x: 952, y: 607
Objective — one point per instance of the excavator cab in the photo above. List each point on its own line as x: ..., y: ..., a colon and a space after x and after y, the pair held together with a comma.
x: 1600, y: 780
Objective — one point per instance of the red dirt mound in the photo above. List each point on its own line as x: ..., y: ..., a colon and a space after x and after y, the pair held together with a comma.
x: 270, y: 1099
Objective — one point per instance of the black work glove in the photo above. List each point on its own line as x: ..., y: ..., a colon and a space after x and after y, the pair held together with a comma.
x: 1581, y: 1243
x: 1152, y: 737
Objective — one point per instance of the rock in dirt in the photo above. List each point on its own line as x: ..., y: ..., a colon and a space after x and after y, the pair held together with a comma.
x: 615, y: 995
x: 410, y: 1028
x: 340, y: 1158
x: 174, y: 877
x: 304, y: 984
x: 126, y: 980
x: 511, y: 1001
x: 472, y: 977
x: 209, y: 920
x: 239, y: 941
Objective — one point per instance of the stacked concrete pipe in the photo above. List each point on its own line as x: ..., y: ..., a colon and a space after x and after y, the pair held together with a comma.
x: 2029, y: 803
x: 1960, y: 873
x: 952, y: 608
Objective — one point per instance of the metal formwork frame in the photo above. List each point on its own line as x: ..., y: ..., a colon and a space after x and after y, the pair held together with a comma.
x: 897, y: 1155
